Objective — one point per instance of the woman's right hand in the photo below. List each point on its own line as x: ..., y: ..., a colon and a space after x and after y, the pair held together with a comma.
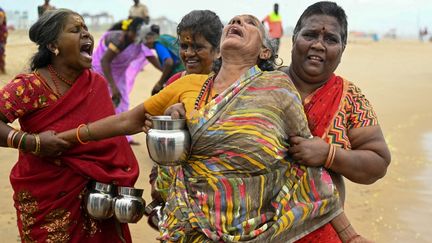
x: 176, y: 111
x: 51, y: 145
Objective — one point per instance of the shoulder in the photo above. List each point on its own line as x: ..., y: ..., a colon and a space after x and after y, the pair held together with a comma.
x: 277, y: 78
x: 191, y: 79
x: 353, y: 91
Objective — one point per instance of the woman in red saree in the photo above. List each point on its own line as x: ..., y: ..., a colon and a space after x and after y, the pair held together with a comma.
x: 49, y: 182
x: 341, y: 119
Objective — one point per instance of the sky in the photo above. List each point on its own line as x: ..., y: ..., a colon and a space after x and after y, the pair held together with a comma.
x: 406, y: 16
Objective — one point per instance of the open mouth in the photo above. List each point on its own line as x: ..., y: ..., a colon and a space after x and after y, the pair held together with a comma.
x: 235, y: 31
x: 315, y: 58
x: 86, y: 49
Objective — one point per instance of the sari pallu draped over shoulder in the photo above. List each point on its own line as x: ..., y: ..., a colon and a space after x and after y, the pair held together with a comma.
x: 49, y: 191
x: 239, y: 183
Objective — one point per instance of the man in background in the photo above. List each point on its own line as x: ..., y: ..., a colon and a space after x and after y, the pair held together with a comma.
x: 274, y: 22
x: 45, y: 7
x: 139, y: 10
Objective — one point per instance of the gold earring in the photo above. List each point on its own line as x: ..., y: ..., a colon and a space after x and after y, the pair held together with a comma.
x: 56, y: 52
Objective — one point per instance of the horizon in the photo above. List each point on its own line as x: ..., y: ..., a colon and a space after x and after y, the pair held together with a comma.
x: 366, y: 16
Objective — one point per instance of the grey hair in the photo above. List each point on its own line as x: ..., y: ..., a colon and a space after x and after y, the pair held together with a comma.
x: 268, y: 64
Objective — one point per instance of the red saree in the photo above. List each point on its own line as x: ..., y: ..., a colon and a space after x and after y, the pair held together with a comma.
x: 321, y: 108
x: 48, y: 192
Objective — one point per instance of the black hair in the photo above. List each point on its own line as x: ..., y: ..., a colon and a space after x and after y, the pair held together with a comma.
x: 155, y: 28
x: 202, y: 22
x: 134, y: 25
x: 324, y: 8
x: 45, y: 31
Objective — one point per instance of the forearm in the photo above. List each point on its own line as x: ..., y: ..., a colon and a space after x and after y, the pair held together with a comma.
x: 343, y: 227
x: 112, y: 126
x: 166, y: 71
x: 359, y: 166
x: 106, y: 68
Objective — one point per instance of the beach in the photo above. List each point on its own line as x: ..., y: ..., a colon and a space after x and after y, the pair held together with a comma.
x: 396, y: 77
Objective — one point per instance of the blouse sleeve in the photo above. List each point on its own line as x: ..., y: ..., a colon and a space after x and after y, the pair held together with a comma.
x: 115, y: 41
x: 23, y: 95
x: 362, y: 113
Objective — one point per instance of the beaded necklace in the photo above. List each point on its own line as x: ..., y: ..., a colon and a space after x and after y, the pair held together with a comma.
x: 206, y: 88
x: 56, y: 84
x: 54, y: 72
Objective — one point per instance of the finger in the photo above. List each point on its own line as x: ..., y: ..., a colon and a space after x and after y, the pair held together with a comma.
x: 295, y: 140
x: 175, y: 115
x: 148, y: 124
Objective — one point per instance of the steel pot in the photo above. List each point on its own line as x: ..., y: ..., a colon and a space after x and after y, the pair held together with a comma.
x: 129, y: 206
x: 168, y: 141
x: 99, y: 201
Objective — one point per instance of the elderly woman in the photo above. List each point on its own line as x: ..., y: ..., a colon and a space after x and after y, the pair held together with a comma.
x: 119, y: 57
x: 50, y: 183
x: 341, y: 119
x: 238, y: 183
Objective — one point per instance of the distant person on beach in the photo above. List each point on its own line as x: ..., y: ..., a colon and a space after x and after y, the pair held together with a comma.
x: 274, y: 22
x: 139, y: 10
x: 45, y: 7
x: 119, y: 57
x: 423, y: 33
x: 348, y: 140
x: 50, y: 178
x: 3, y: 40
x: 167, y: 49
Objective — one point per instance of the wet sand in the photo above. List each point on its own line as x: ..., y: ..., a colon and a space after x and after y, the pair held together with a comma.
x: 395, y: 76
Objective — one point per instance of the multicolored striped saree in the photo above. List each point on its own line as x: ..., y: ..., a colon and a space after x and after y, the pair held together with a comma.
x: 239, y: 183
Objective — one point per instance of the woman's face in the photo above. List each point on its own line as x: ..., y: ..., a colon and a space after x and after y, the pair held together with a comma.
x: 317, y: 48
x: 75, y: 44
x: 196, y: 53
x: 243, y: 35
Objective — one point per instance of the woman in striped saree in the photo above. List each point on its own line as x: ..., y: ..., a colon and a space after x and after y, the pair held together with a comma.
x: 238, y: 184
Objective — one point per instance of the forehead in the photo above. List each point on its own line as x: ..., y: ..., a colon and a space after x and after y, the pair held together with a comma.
x: 322, y: 22
x: 74, y: 19
x: 188, y: 36
x: 247, y: 17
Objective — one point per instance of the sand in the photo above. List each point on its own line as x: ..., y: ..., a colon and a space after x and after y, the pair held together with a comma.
x: 395, y: 76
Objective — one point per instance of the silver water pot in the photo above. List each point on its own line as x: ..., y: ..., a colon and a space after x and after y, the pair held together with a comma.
x: 129, y: 206
x: 168, y: 141
x: 99, y: 201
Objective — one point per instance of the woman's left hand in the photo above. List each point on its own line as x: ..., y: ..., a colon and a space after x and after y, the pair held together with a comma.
x: 310, y: 152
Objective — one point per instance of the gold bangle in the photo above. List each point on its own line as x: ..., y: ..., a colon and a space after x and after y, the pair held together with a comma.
x: 77, y: 135
x: 330, y: 157
x: 37, y: 144
x: 9, y: 138
x: 13, y: 139
x: 88, y: 132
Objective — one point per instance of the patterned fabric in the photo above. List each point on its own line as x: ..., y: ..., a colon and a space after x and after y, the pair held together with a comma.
x: 238, y: 183
x: 333, y: 110
x: 49, y: 192
x: 353, y: 111
x: 24, y: 94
